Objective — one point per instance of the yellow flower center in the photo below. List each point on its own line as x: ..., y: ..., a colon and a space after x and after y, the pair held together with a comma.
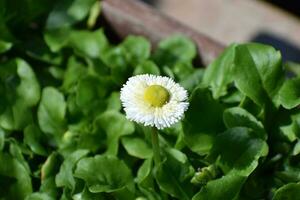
x: 156, y: 95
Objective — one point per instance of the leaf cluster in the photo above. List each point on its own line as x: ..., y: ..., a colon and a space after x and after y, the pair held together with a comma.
x: 63, y: 134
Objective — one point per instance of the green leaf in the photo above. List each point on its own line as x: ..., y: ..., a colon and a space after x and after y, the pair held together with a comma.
x: 114, y: 102
x: 293, y: 68
x: 289, y: 191
x: 75, y: 70
x: 289, y: 94
x: 65, y: 176
x: 50, y: 166
x: 35, y: 139
x: 57, y: 39
x: 17, y: 153
x: 145, y: 181
x: 173, y: 175
x: 146, y: 67
x: 94, y: 14
x: 289, y: 126
x: 90, y: 92
x: 87, y: 43
x: 226, y: 187
x: 51, y: 112
x: 48, y: 171
x: 255, y: 68
x: 104, y: 174
x: 22, y: 93
x: 192, y: 80
x: 87, y: 195
x: 137, y: 49
x: 66, y: 13
x: 37, y: 49
x: 29, y: 89
x: 2, y: 138
x: 269, y: 66
x: 115, y: 58
x: 235, y: 117
x: 39, y: 196
x: 175, y: 49
x: 144, y: 171
x: 258, y: 72
x: 85, y: 134
x: 15, y: 181
x: 115, y: 125
x: 183, y: 70
x: 5, y: 46
x: 48, y: 187
x: 219, y: 74
x: 203, y: 121
x: 296, y: 149
x: 247, y: 77
x: 137, y: 147
x: 239, y: 149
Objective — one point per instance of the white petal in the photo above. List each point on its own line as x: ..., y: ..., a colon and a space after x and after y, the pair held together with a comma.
x: 138, y: 110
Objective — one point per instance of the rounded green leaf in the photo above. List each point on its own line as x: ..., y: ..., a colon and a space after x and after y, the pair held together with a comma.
x: 239, y: 148
x: 137, y: 147
x: 203, y: 121
x: 235, y: 117
x: 114, y: 102
x: 104, y: 173
x: 137, y: 49
x: 5, y: 46
x: 176, y: 48
x: 146, y: 67
x: 22, y: 91
x: 174, y: 174
x: 115, y: 125
x: 75, y: 70
x: 39, y: 196
x: 65, y: 176
x: 51, y: 112
x: 219, y: 74
x: 289, y: 191
x: 144, y: 172
x: 90, y: 90
x: 289, y: 94
x: 15, y: 182
x: 68, y: 12
x: 246, y: 76
x: 2, y: 138
x: 258, y: 72
x: 35, y: 139
x: 226, y: 187
x: 88, y: 43
x: 29, y: 88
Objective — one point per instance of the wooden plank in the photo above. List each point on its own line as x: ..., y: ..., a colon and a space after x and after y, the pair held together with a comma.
x: 133, y: 17
x: 228, y: 21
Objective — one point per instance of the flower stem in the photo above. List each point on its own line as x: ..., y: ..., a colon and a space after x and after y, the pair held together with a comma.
x: 155, y: 146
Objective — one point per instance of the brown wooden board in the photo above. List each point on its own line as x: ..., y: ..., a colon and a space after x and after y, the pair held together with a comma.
x: 127, y: 17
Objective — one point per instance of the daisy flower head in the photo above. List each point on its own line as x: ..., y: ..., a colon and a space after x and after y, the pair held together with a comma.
x: 155, y: 101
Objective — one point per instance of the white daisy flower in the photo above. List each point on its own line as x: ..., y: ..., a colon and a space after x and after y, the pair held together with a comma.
x: 153, y: 100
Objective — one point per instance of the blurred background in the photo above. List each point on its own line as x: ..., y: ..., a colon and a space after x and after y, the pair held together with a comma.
x: 275, y: 22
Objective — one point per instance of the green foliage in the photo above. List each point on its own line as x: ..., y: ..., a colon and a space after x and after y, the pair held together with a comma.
x: 289, y: 94
x: 21, y: 91
x: 51, y: 112
x: 15, y: 180
x: 200, y: 129
x: 289, y: 191
x: 110, y: 174
x: 64, y: 135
